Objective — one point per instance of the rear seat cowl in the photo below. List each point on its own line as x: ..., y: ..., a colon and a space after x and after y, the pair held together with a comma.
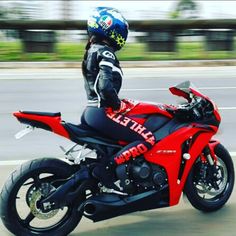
x: 51, y: 114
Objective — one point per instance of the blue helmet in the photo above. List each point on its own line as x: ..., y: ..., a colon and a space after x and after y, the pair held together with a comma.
x: 108, y: 23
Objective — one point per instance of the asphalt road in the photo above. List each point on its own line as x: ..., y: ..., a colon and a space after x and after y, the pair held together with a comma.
x: 62, y: 90
x: 40, y: 90
x: 180, y: 220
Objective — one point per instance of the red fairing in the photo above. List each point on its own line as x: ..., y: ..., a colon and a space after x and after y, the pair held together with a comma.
x: 148, y: 109
x: 199, y: 94
x: 213, y: 144
x: 167, y: 153
x: 53, y: 122
x: 179, y: 93
x: 216, y: 112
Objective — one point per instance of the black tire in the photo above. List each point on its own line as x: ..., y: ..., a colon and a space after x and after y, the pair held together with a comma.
x: 18, y: 180
x: 218, y: 200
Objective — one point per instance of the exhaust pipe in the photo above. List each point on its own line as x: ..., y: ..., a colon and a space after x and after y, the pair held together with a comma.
x: 106, y: 206
x: 89, y: 209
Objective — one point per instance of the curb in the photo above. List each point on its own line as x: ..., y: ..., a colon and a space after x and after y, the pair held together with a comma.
x: 124, y: 64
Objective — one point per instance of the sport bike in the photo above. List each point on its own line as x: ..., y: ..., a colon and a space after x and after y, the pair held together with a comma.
x: 49, y: 196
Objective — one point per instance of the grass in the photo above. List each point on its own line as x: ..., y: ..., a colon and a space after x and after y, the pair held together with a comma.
x: 12, y: 51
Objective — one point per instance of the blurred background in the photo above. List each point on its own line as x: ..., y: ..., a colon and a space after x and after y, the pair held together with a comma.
x: 55, y: 30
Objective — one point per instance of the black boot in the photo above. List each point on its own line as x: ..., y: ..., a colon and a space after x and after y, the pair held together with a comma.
x: 106, y: 174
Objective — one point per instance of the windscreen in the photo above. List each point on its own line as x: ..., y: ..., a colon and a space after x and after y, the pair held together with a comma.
x: 187, y: 90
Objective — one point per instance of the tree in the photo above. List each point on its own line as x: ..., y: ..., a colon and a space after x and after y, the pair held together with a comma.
x: 11, y: 12
x: 3, y: 12
x: 185, y: 9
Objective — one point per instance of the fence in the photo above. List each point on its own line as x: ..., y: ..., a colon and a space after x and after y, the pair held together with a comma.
x: 161, y: 35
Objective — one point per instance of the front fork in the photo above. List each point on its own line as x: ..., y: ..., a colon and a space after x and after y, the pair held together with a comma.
x: 208, y: 157
x: 208, y: 153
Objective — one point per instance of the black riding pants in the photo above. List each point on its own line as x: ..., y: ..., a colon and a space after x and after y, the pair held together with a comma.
x: 120, y: 128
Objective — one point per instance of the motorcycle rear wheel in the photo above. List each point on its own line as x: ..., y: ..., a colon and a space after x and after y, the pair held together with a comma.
x: 201, y: 194
x: 18, y: 204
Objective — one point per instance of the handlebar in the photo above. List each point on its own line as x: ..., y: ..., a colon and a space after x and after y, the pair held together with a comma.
x: 199, y: 108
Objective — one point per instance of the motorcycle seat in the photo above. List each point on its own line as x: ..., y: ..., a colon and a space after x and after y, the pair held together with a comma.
x: 51, y: 114
x: 82, y: 131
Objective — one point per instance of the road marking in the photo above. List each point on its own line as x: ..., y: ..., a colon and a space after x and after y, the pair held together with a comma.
x: 145, y: 89
x: 227, y: 108
x: 165, y: 89
x: 12, y: 163
x: 216, y: 88
x: 19, y: 162
x: 201, y: 88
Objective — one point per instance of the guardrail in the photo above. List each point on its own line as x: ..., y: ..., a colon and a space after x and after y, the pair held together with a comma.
x: 161, y: 34
x: 136, y: 25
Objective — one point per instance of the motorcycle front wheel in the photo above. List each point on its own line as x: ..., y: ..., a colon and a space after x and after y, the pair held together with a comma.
x: 19, y: 210
x: 207, y: 191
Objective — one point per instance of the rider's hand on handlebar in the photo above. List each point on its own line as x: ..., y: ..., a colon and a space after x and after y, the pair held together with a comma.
x: 125, y: 106
x: 183, y: 113
x: 191, y: 111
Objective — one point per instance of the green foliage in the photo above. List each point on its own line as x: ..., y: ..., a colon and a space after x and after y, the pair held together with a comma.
x: 12, y: 51
x: 174, y: 14
x: 185, y: 9
x: 12, y: 11
x: 186, y: 5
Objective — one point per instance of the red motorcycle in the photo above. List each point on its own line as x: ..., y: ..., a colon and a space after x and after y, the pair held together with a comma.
x: 49, y: 196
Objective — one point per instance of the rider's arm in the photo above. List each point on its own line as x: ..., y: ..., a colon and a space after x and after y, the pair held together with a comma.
x: 105, y: 84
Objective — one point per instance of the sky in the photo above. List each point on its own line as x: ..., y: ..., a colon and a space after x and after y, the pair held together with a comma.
x: 81, y: 9
x: 133, y: 9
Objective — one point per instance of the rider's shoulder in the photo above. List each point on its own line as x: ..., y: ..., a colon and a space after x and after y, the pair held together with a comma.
x: 106, y: 52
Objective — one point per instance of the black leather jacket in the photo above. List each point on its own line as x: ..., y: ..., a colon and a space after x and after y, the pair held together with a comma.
x: 102, y: 76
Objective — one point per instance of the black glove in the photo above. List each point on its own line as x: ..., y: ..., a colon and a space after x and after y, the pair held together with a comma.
x: 191, y: 111
x: 183, y: 113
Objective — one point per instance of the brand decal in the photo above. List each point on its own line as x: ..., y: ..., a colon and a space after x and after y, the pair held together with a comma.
x: 133, y: 125
x: 131, y: 153
x: 105, y: 22
x: 92, y: 23
x: 108, y: 54
x: 166, y: 152
x: 140, y: 148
